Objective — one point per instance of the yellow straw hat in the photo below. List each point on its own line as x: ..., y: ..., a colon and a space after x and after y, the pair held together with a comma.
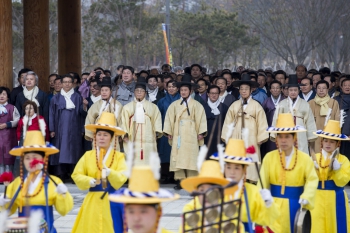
x: 143, y: 189
x: 235, y: 153
x: 34, y: 141
x: 210, y: 173
x: 285, y: 124
x: 332, y: 131
x: 107, y: 121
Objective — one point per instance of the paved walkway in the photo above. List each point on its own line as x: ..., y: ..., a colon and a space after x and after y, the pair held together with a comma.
x: 170, y: 220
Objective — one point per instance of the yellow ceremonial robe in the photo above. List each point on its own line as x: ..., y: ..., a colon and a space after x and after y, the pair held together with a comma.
x: 185, y: 130
x: 335, y: 114
x: 255, y: 121
x: 325, y: 215
x: 303, y: 175
x: 259, y: 213
x: 95, y: 213
x: 195, y: 204
x: 143, y: 135
x: 62, y: 203
x: 303, y: 117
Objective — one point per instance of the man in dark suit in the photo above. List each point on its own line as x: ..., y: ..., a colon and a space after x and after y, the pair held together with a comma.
x: 15, y: 91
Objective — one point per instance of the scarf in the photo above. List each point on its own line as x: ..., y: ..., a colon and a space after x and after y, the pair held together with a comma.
x: 28, y: 120
x: 3, y: 110
x: 30, y: 95
x: 94, y: 99
x: 222, y: 98
x: 277, y: 101
x: 152, y: 94
x: 214, y: 106
x: 323, y: 102
x: 130, y: 87
x: 67, y: 96
x: 139, y: 116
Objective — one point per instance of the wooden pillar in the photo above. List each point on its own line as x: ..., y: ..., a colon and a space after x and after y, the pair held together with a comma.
x: 69, y: 36
x: 6, y: 44
x: 36, y: 39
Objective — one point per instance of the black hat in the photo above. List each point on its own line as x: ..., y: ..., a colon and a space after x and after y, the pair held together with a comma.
x: 106, y: 82
x: 293, y: 81
x: 141, y: 83
x: 186, y: 81
x: 245, y: 79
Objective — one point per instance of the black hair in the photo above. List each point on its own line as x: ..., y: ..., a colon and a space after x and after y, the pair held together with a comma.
x: 108, y: 71
x: 85, y: 73
x: 199, y: 66
x: 271, y: 74
x: 213, y: 87
x: 42, y: 153
x: 120, y: 66
x: 171, y: 81
x: 202, y: 79
x: 143, y: 71
x: 310, y: 80
x: 325, y: 70
x: 226, y: 72
x: 302, y: 66
x: 262, y: 74
x: 331, y: 76
x: 7, y: 90
x: 222, y: 78
x: 128, y: 68
x: 75, y: 76
x: 151, y: 76
x: 22, y: 71
x: 67, y: 76
x: 320, y: 74
x: 166, y: 66
x: 106, y: 130
x: 274, y: 82
x: 212, y: 78
x: 344, y: 80
x: 187, y: 70
x: 281, y: 72
x: 312, y: 71
x: 322, y: 82
x: 99, y: 68
x: 253, y: 73
x: 161, y: 76
x: 236, y: 75
x: 56, y: 76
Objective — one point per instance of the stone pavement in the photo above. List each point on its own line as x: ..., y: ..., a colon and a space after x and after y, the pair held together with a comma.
x: 170, y: 220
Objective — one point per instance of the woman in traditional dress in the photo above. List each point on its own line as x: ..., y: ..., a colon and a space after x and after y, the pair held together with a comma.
x: 142, y: 198
x: 37, y: 190
x: 289, y: 173
x: 331, y: 212
x: 101, y: 172
x: 259, y: 206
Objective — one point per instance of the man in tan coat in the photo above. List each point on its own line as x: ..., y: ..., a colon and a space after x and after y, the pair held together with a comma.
x: 185, y: 125
x: 247, y: 114
x: 324, y: 109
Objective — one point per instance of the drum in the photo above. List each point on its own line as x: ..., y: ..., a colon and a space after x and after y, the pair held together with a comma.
x: 302, y: 222
x: 19, y: 225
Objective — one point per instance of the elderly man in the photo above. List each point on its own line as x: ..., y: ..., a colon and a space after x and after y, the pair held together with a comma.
x: 306, y: 89
x: 301, y: 113
x: 301, y: 72
x: 15, y: 91
x: 323, y: 108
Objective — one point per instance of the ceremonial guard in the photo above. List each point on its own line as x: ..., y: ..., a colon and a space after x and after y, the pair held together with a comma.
x: 185, y: 125
x: 101, y: 172
x: 331, y: 212
x: 258, y: 204
x: 246, y: 115
x: 142, y: 121
x: 143, y: 197
x: 289, y: 173
x: 301, y: 112
x: 38, y: 190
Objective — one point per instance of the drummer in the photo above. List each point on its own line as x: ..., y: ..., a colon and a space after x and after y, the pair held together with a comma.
x: 331, y: 212
x: 262, y: 209
x: 37, y: 190
x: 289, y: 173
x: 101, y: 172
x: 142, y: 198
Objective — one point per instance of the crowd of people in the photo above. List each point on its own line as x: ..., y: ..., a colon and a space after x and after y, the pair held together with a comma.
x: 298, y: 122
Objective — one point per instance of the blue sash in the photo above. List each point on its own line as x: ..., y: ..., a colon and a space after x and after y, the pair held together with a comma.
x: 117, y: 209
x: 292, y: 194
x: 340, y: 203
x: 49, y: 219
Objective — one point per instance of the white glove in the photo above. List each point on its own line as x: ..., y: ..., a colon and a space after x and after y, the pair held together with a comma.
x: 61, y: 189
x: 108, y: 171
x: 4, y: 201
x: 336, y: 165
x: 92, y: 182
x: 316, y: 165
x: 39, y: 167
x: 303, y: 202
x: 267, y: 197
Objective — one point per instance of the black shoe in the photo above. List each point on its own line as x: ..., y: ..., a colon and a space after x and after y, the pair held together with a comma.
x: 165, y: 181
x: 178, y: 186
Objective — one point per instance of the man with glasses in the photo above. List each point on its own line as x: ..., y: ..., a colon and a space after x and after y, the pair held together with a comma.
x: 246, y: 119
x: 142, y: 121
x: 269, y: 107
x: 324, y: 109
x: 66, y: 128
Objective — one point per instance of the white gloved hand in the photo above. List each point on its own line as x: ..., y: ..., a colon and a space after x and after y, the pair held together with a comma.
x: 267, y: 197
x: 92, y: 182
x: 336, y: 165
x: 61, y: 188
x: 108, y: 171
x: 316, y: 165
x: 4, y: 201
x: 303, y: 202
